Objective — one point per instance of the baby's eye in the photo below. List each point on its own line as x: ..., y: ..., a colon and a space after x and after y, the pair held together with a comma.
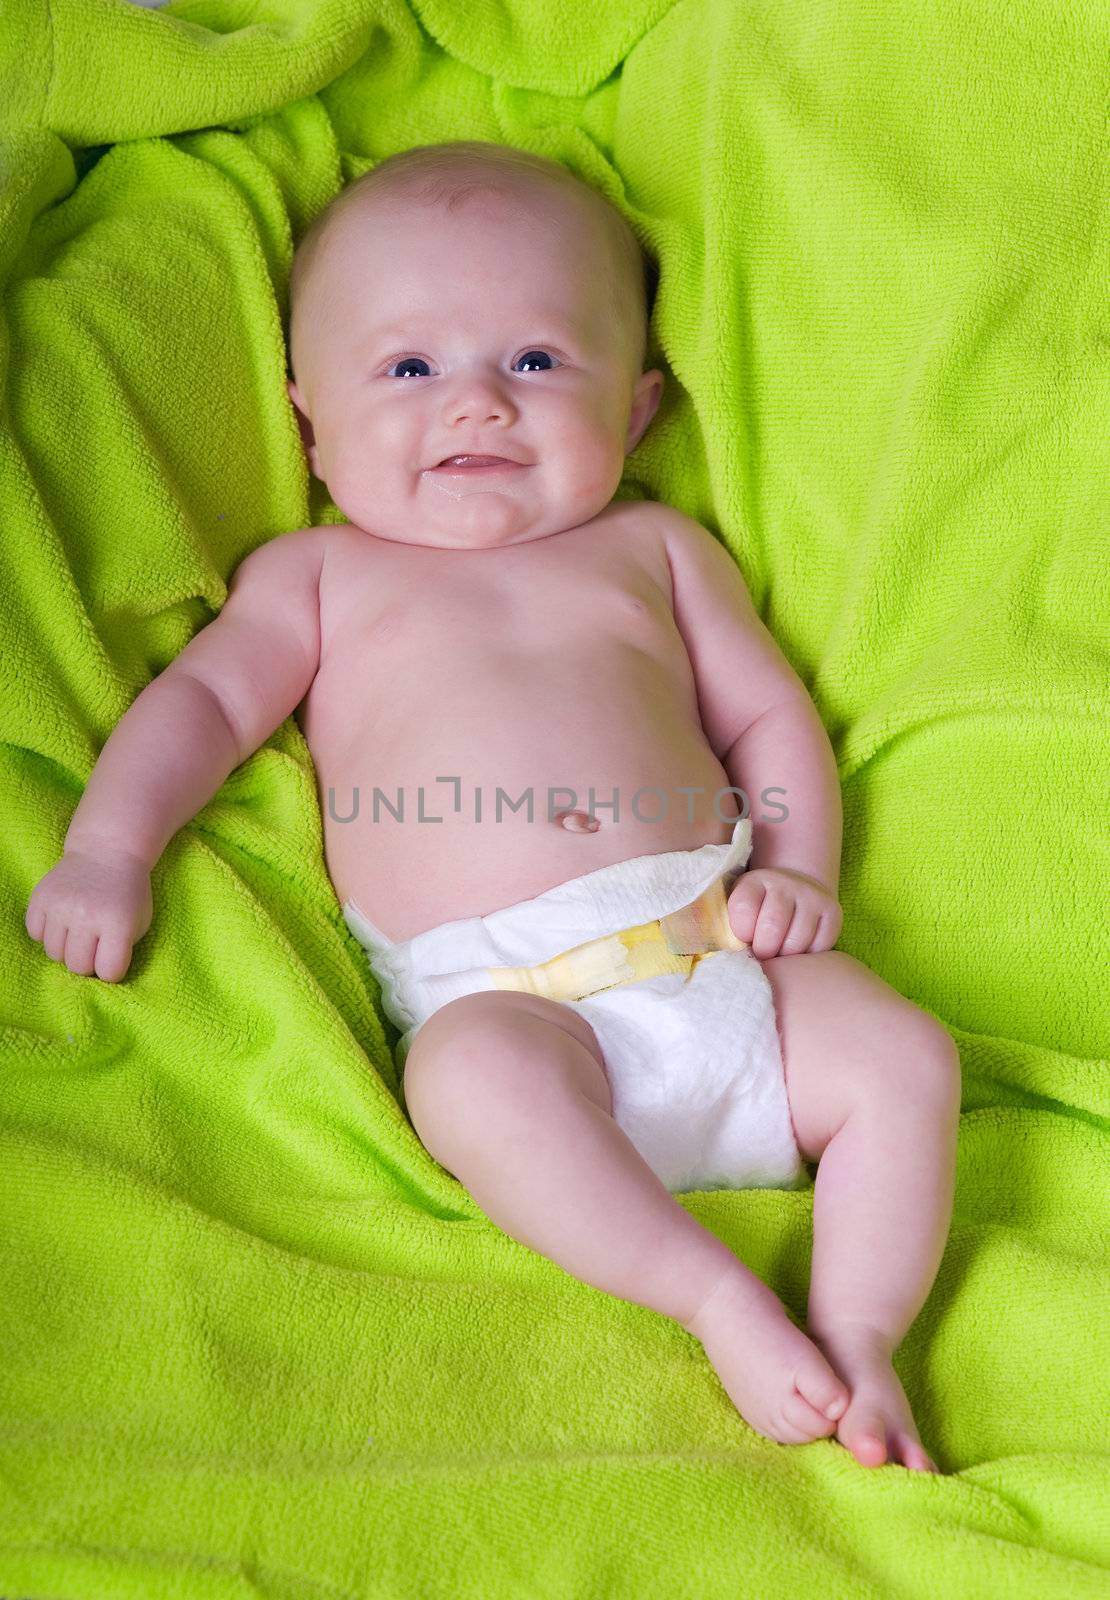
x: 409, y: 361
x: 531, y: 357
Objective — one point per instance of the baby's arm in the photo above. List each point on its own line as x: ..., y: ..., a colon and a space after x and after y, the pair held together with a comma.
x: 767, y: 734
x: 786, y: 753
x: 214, y: 705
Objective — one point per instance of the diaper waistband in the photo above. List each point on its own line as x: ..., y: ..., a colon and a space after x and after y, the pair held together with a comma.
x: 637, y: 899
x: 671, y: 944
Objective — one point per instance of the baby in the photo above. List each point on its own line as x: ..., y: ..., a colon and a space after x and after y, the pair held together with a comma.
x: 601, y: 1008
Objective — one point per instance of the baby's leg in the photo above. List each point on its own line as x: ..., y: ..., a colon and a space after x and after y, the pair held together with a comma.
x: 508, y: 1092
x: 874, y: 1090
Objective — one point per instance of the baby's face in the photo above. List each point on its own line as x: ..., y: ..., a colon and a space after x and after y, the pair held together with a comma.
x: 486, y: 332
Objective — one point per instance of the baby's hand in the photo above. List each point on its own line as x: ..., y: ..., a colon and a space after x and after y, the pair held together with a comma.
x: 779, y: 912
x: 90, y: 910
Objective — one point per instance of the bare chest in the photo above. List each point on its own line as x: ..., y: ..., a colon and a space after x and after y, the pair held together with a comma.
x: 422, y: 639
x: 451, y: 679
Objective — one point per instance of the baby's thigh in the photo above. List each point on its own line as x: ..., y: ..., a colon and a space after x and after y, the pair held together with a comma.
x: 847, y: 1037
x: 490, y: 1044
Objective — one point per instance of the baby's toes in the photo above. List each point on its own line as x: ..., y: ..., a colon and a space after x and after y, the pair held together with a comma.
x: 801, y: 1421
x: 878, y: 1426
x: 912, y: 1455
x: 818, y: 1385
x: 817, y: 1397
x: 862, y: 1430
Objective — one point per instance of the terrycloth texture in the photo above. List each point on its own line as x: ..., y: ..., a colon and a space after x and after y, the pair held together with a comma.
x: 255, y: 1341
x: 692, y: 1058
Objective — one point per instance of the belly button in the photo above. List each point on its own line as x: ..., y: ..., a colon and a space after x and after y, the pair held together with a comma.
x: 577, y: 821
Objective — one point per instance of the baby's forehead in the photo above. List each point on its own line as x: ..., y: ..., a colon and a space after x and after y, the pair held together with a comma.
x: 573, y: 305
x: 576, y: 292
x: 564, y: 230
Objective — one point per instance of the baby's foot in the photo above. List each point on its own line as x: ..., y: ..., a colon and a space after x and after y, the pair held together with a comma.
x: 878, y: 1426
x: 776, y: 1378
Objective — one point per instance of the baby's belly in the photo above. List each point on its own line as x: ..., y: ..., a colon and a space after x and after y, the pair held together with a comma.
x: 458, y: 816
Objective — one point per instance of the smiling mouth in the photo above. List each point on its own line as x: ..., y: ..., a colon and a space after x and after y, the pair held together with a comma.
x: 476, y: 464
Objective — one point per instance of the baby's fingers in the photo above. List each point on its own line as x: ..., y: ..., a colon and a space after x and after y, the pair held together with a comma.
x: 775, y: 916
x: 80, y: 951
x: 86, y: 951
x: 54, y: 937
x: 801, y: 934
x: 35, y: 919
x: 743, y: 909
x: 113, y: 957
x: 828, y: 929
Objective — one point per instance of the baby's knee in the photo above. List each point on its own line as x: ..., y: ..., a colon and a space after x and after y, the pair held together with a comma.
x: 928, y: 1058
x: 918, y: 1051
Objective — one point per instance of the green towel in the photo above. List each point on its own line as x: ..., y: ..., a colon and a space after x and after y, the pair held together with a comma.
x: 254, y: 1341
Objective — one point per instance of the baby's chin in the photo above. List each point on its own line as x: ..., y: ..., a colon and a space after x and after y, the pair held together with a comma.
x: 432, y: 540
x: 476, y: 538
x: 469, y: 526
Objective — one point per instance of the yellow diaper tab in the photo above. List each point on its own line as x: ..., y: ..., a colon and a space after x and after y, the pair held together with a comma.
x: 674, y: 943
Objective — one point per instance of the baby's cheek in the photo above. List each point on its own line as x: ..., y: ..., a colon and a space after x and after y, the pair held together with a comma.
x: 594, y: 465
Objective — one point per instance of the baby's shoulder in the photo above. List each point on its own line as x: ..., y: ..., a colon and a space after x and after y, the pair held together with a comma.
x: 668, y: 519
x: 657, y: 520
x: 297, y: 555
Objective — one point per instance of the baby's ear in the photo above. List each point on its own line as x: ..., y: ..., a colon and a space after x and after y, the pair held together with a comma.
x: 308, y: 436
x: 645, y: 403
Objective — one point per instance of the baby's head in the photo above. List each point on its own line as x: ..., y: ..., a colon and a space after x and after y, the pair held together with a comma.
x: 470, y: 299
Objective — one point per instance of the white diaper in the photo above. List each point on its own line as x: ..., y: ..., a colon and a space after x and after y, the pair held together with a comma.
x: 693, y: 1060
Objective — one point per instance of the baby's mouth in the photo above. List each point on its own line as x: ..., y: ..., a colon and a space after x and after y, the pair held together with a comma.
x: 476, y: 464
